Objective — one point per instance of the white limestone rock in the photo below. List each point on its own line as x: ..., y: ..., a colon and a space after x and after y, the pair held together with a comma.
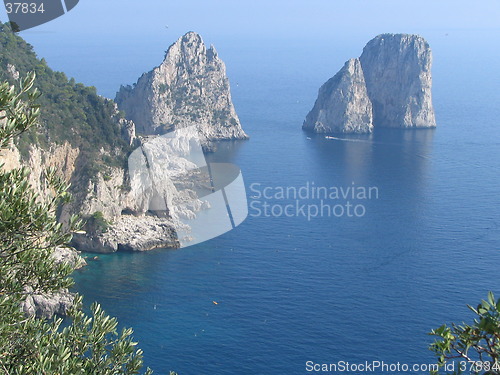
x: 47, y: 305
x: 388, y: 86
x: 342, y: 105
x: 131, y: 233
x: 189, y: 87
x: 57, y: 303
x: 397, y: 69
x: 70, y: 256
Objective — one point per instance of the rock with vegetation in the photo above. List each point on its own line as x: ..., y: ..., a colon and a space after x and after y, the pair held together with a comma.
x: 189, y: 87
x: 88, y: 141
x: 390, y: 85
x: 69, y: 111
x: 46, y: 305
x: 81, y: 134
x: 30, y: 233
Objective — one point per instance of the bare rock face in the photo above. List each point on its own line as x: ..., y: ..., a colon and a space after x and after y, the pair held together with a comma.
x: 124, y: 207
x: 163, y: 181
x: 61, y: 157
x: 343, y: 105
x: 69, y: 256
x: 47, y: 305
x: 388, y: 86
x: 397, y: 69
x: 190, y: 87
x: 130, y: 233
x: 57, y: 303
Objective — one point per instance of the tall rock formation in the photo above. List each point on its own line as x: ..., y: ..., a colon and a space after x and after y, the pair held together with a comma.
x: 390, y: 83
x: 397, y: 69
x: 190, y: 87
x: 343, y: 105
x: 86, y: 138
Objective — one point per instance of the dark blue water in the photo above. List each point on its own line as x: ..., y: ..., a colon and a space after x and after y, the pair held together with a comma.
x: 290, y: 290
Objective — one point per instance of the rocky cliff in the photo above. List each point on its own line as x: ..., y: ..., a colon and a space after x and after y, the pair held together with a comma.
x: 391, y: 83
x: 397, y: 69
x: 189, y: 87
x: 119, y: 199
x: 88, y: 141
x: 343, y: 105
x: 48, y: 305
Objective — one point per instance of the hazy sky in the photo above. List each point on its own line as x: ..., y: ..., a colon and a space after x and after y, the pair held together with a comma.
x: 109, y: 42
x: 261, y: 18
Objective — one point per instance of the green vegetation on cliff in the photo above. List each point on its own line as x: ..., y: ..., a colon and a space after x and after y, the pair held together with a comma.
x: 69, y: 111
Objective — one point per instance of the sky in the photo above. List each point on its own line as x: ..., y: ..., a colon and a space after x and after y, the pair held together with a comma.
x: 139, y: 32
x: 271, y: 18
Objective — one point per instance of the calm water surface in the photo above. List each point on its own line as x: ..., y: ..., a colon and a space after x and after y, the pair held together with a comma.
x: 290, y: 289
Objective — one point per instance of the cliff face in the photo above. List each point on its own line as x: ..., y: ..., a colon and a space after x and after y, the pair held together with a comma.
x: 120, y: 198
x: 390, y: 85
x: 62, y: 157
x: 147, y: 214
x: 343, y: 105
x: 190, y: 87
x: 397, y: 69
x: 86, y: 139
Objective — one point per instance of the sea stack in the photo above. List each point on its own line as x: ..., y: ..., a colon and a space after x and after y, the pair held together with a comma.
x: 343, y: 105
x: 396, y: 71
x: 189, y: 87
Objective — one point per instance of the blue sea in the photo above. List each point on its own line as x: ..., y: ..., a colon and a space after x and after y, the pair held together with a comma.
x: 323, y: 289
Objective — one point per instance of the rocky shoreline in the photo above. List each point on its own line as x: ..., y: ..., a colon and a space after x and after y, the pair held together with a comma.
x: 130, y: 233
x: 189, y: 91
x: 47, y: 305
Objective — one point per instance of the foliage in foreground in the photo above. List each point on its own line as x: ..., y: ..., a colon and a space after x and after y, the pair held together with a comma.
x: 29, y: 232
x: 474, y: 348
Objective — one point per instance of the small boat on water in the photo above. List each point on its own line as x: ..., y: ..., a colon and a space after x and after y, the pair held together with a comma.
x: 329, y: 137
